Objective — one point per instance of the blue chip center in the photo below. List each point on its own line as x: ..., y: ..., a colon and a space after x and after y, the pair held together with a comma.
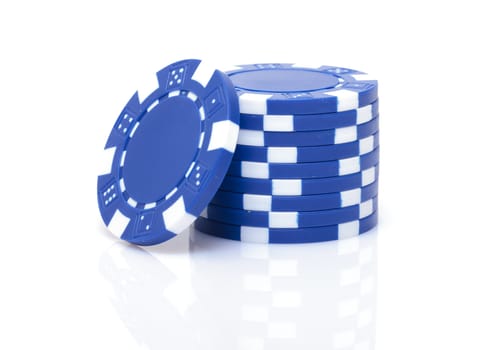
x: 280, y: 80
x: 158, y: 143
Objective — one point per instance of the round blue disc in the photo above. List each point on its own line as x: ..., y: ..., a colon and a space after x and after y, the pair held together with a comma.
x: 283, y: 80
x: 169, y: 151
x: 144, y: 169
x: 281, y: 88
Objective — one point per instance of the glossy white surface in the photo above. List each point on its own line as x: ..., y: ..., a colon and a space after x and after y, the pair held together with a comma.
x: 67, y: 69
x: 244, y: 296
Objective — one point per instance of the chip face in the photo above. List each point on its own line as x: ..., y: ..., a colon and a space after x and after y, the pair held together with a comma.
x: 279, y: 88
x: 169, y: 152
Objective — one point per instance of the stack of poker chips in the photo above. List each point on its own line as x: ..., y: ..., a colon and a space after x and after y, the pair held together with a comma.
x: 305, y: 168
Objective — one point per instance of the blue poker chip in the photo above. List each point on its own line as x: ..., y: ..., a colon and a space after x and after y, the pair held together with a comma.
x: 306, y: 154
x: 278, y: 235
x: 309, y: 122
x: 168, y: 153
x: 300, y: 187
x: 259, y: 170
x: 249, y: 201
x: 291, y: 219
x: 308, y: 138
x: 278, y: 88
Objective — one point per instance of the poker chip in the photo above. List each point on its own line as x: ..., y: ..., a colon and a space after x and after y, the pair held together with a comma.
x: 168, y: 153
x: 286, y: 235
x: 308, y: 138
x: 306, y: 154
x: 291, y: 219
x: 309, y: 122
x: 261, y: 170
x: 300, y: 187
x: 250, y: 201
x: 267, y: 153
x: 300, y: 89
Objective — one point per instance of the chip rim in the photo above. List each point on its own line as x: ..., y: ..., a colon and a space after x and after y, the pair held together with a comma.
x: 250, y: 234
x: 291, y: 219
x: 314, y: 202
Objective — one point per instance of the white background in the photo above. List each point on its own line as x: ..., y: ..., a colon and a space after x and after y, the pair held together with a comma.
x: 67, y: 69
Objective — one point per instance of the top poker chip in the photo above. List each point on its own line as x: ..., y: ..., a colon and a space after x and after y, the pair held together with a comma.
x: 168, y: 153
x: 295, y: 89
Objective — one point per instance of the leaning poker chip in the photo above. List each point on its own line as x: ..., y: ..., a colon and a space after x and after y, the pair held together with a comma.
x: 278, y: 235
x: 249, y: 201
x: 279, y: 88
x: 290, y: 219
x: 300, y: 187
x: 306, y: 154
x: 309, y: 122
x: 308, y: 138
x: 259, y: 170
x: 168, y: 153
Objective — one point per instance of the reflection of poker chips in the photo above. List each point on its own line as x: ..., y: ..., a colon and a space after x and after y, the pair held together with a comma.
x: 141, y: 290
x: 277, y: 297
x: 168, y: 153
